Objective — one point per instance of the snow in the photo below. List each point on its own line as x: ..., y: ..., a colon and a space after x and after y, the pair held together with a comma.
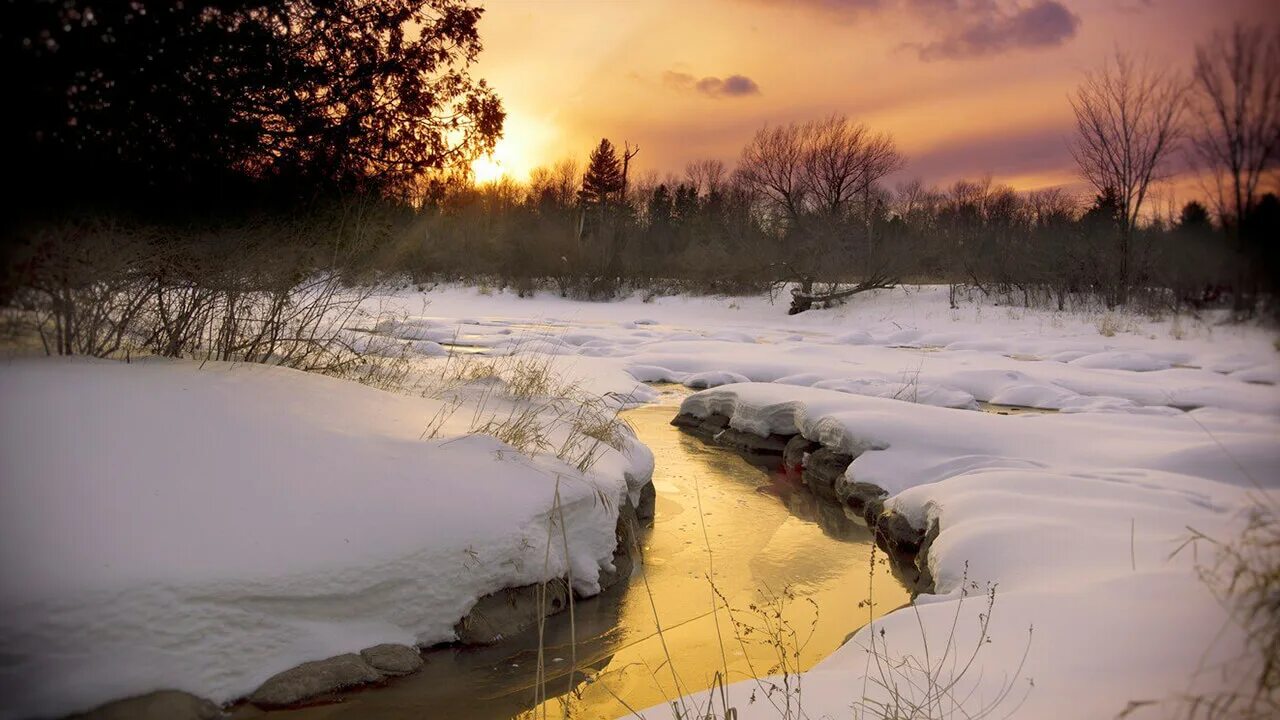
x: 164, y: 525
x: 1075, y: 515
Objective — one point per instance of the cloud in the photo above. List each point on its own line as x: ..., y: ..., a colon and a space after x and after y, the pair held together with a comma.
x: 711, y: 86
x: 964, y: 28
x: 982, y: 27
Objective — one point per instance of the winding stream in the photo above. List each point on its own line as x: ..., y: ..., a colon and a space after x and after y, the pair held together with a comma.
x: 768, y: 537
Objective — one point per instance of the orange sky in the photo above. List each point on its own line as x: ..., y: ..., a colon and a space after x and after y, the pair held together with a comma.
x: 966, y: 86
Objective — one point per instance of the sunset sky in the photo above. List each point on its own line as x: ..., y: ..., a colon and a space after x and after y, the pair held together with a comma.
x: 966, y: 86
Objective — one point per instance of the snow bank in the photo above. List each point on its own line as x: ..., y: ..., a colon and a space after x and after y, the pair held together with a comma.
x: 1074, y: 516
x: 167, y: 526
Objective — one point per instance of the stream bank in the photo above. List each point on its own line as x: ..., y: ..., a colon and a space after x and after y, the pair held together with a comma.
x: 773, y: 543
x: 822, y: 471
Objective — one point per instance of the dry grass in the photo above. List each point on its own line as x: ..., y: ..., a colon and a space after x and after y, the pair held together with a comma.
x: 940, y: 682
x: 1244, y: 575
x: 1110, y: 324
x: 523, y: 400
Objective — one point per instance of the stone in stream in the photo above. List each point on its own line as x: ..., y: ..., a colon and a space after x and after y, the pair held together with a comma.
x: 392, y: 659
x: 824, y: 469
x: 864, y: 500
x: 508, y: 611
x: 648, y: 501
x: 903, y: 543
x: 796, y: 450
x: 312, y: 679
x: 626, y: 533
x: 159, y: 705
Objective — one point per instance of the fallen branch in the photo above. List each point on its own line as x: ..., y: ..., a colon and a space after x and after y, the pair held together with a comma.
x: 801, y: 300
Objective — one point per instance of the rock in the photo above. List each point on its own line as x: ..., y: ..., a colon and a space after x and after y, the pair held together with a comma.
x: 924, y: 578
x: 824, y: 470
x: 687, y: 421
x: 761, y: 450
x: 864, y: 500
x: 793, y: 455
x: 902, y: 542
x: 312, y: 679
x: 713, y: 423
x: 159, y: 705
x: 623, y: 560
x: 509, y: 611
x: 392, y: 659
x: 648, y: 501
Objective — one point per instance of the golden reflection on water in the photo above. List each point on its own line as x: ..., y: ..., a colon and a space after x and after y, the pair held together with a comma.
x: 768, y: 538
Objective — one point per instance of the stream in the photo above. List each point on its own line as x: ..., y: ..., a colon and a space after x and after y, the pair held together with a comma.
x: 772, y: 545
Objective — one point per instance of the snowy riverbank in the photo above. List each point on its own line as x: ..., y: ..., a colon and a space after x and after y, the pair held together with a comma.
x: 164, y: 525
x: 1074, y: 517
x: 1164, y: 424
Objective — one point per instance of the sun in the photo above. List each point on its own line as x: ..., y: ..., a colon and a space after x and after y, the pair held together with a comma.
x: 508, y: 160
x: 514, y: 155
x: 489, y: 168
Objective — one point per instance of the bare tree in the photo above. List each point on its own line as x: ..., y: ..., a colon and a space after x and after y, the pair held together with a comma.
x: 628, y: 153
x: 772, y: 168
x: 816, y: 183
x: 1237, y: 108
x: 706, y: 176
x: 557, y: 185
x: 1127, y: 124
x: 818, y: 169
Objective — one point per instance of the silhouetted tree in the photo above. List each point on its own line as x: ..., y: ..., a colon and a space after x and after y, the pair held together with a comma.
x: 660, y: 212
x: 1194, y: 216
x: 193, y: 101
x: 603, y: 180
x: 1127, y: 124
x: 1237, y: 108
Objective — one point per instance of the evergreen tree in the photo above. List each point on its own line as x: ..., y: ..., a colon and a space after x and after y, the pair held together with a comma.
x: 1106, y: 212
x: 686, y: 203
x: 603, y: 179
x: 1194, y: 217
x: 659, y: 212
x: 660, y: 207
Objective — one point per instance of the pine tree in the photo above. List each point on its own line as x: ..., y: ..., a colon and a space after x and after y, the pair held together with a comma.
x: 660, y: 207
x: 1194, y: 216
x: 603, y: 179
x: 686, y: 203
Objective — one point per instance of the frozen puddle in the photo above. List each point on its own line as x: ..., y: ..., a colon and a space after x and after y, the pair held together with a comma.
x: 764, y: 531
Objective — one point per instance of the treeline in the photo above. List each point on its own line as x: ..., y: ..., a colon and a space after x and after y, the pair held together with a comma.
x: 714, y: 231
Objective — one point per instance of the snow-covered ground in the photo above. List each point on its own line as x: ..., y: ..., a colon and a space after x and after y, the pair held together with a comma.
x: 1165, y: 425
x: 164, y: 525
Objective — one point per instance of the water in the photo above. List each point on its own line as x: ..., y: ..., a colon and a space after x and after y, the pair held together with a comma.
x: 768, y: 538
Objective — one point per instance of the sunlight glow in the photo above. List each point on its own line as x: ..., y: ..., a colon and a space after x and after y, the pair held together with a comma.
x: 518, y: 152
